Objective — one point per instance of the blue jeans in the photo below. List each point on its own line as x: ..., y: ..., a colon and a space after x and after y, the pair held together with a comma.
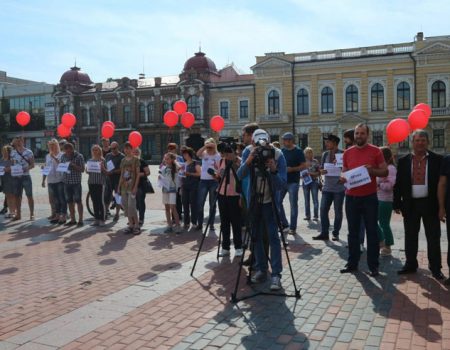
x: 205, y: 187
x: 56, y: 191
x: 292, y: 189
x: 325, y: 204
x: 365, y: 207
x: 265, y: 223
x: 313, y: 189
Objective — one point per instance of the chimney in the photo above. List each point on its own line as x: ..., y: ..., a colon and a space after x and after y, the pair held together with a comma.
x: 158, y: 81
x: 420, y: 36
x: 141, y: 76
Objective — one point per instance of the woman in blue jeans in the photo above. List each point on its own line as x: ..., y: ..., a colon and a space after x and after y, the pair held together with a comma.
x: 311, y: 189
x: 208, y: 184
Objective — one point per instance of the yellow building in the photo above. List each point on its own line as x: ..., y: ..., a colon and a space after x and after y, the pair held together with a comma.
x: 316, y: 93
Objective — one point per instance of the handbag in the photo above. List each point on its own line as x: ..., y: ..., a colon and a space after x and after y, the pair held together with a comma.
x: 147, y: 186
x: 320, y: 183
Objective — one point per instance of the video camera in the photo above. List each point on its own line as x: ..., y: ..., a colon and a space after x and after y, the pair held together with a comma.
x: 226, y: 147
x: 263, y: 152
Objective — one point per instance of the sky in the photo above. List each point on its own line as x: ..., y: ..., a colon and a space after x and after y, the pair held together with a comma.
x: 41, y: 39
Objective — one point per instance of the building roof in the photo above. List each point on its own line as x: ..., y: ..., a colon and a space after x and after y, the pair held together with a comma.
x: 200, y: 62
x: 75, y: 76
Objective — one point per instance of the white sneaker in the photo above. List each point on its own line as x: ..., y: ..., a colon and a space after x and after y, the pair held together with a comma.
x: 224, y: 252
x: 95, y: 223
x: 259, y: 277
x: 238, y: 252
x: 101, y: 223
x: 275, y: 283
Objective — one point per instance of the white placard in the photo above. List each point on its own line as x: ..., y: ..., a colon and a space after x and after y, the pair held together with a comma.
x: 93, y: 167
x: 110, y: 166
x: 306, y: 177
x: 63, y: 167
x: 118, y: 199
x: 356, y: 177
x: 16, y: 170
x: 2, y: 170
x: 182, y: 171
x: 46, y: 170
x: 332, y: 170
x: 339, y: 159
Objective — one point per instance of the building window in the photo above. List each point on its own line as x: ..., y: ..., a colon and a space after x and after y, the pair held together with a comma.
x: 243, y: 109
x: 377, y: 96
x: 303, y: 141
x: 438, y: 138
x: 224, y: 110
x: 151, y: 112
x: 84, y: 117
x: 327, y: 100
x: 403, y: 96
x: 377, y: 138
x: 105, y: 113
x: 194, y: 105
x: 351, y: 99
x: 127, y: 114
x: 438, y: 94
x: 302, y: 102
x: 142, y: 118
x: 92, y: 116
x: 148, y: 147
x: 165, y: 107
x: 114, y: 114
x: 274, y: 102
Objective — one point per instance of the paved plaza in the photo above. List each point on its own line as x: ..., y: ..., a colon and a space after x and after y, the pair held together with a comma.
x: 96, y: 288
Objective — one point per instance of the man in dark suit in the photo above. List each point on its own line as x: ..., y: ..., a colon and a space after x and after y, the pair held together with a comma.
x: 415, y: 196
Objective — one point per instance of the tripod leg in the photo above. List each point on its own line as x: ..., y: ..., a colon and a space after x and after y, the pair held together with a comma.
x: 283, y: 239
x: 199, y: 249
x: 219, y: 243
x: 234, y: 298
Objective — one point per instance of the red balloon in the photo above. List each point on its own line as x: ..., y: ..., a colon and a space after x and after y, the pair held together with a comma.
x: 68, y: 120
x: 135, y: 138
x: 109, y: 123
x: 23, y: 118
x: 180, y: 107
x: 417, y: 119
x: 424, y: 107
x: 187, y: 119
x: 397, y: 130
x: 217, y: 123
x: 171, y: 119
x: 107, y: 131
x: 63, y: 131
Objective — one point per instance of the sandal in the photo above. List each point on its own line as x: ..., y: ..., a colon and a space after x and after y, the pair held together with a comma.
x: 128, y: 230
x: 136, y: 231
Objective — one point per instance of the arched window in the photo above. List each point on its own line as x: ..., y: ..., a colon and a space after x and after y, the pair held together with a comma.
x: 274, y: 102
x: 327, y: 100
x: 302, y: 102
x: 403, y: 96
x: 377, y: 96
x: 114, y: 113
x: 194, y: 105
x: 142, y: 113
x: 151, y: 112
x: 438, y: 94
x: 92, y: 116
x: 105, y: 113
x: 351, y: 99
x: 84, y: 117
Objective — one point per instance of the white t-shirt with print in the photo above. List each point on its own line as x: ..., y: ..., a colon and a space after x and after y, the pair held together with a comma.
x: 209, y: 162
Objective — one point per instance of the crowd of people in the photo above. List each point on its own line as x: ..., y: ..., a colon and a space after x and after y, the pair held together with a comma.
x: 248, y: 183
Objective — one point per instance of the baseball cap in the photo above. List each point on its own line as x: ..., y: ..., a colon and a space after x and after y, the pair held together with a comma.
x: 333, y: 138
x: 288, y: 136
x: 260, y: 135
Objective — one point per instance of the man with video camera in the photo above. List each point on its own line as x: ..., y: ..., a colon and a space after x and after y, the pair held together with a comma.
x: 265, y: 168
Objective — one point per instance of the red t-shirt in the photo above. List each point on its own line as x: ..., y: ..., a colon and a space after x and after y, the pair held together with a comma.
x: 355, y: 157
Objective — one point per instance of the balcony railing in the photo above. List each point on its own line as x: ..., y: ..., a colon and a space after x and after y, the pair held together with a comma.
x: 282, y: 118
x: 441, y: 111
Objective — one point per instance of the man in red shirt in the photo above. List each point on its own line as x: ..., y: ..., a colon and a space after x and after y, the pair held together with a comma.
x: 361, y: 202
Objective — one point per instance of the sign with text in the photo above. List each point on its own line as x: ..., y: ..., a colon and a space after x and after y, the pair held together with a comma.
x: 332, y: 169
x: 356, y: 177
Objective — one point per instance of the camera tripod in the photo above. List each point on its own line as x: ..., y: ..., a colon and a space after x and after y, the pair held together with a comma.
x: 225, y: 178
x: 252, y: 238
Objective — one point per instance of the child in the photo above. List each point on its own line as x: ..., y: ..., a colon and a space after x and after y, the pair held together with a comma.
x: 168, y: 178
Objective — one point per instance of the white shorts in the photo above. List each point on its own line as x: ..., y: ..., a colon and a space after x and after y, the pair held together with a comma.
x: 169, y: 198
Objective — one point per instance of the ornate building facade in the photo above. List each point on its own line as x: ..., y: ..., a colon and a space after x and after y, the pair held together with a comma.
x: 311, y: 94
